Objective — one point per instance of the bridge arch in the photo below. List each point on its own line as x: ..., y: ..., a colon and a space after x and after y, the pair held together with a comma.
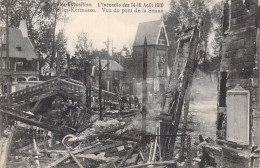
x: 21, y: 79
x: 32, y: 78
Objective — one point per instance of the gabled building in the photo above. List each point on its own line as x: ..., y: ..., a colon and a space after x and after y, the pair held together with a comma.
x: 157, y: 50
x: 113, y: 75
x: 24, y: 62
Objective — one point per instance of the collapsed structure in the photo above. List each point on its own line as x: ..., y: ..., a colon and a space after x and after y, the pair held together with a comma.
x: 238, y: 121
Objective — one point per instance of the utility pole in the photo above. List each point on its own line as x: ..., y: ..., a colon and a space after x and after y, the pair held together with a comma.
x: 1, y: 65
x: 107, y: 43
x: 112, y: 49
x: 144, y: 96
x: 100, y: 89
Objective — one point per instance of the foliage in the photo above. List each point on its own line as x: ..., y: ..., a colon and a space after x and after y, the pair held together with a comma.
x: 186, y: 13
x: 41, y: 18
x: 83, y: 52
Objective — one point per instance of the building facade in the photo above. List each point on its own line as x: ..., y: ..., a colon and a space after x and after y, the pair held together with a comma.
x: 23, y: 60
x: 113, y: 75
x: 238, y: 122
x: 157, y: 61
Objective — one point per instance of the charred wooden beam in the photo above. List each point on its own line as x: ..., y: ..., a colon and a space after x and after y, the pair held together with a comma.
x: 88, y: 150
x: 129, y: 153
x: 119, y: 137
x: 144, y: 95
x: 37, y: 123
x: 188, y: 72
x: 164, y: 163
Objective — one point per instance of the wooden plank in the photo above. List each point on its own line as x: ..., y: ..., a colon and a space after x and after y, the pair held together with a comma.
x: 164, y: 163
x: 38, y: 124
x: 238, y: 117
x: 4, y: 149
x: 180, y: 88
x: 129, y: 153
x: 92, y: 149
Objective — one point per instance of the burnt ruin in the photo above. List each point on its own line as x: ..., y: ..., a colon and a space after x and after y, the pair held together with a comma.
x: 238, y: 114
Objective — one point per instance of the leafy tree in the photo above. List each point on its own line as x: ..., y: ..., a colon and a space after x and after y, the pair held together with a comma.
x: 211, y: 63
x: 184, y: 14
x: 41, y: 18
x: 83, y: 52
x: 61, y: 44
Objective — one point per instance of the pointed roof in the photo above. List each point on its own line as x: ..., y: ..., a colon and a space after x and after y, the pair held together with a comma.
x: 150, y: 30
x: 19, y: 46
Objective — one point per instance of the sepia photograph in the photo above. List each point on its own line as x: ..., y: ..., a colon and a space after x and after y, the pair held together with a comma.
x: 130, y: 83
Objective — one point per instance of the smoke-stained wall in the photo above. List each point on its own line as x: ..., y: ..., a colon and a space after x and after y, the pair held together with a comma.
x: 240, y: 63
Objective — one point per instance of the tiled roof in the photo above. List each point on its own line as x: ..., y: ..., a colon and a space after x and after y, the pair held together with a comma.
x: 16, y: 39
x: 113, y: 65
x: 150, y: 30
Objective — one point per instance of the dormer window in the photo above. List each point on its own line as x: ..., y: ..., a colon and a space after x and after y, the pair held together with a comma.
x: 162, y: 38
x: 19, y: 48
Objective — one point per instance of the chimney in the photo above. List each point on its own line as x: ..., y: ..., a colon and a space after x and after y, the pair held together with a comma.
x: 23, y: 28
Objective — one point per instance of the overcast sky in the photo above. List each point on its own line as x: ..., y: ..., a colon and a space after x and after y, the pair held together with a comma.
x: 120, y: 28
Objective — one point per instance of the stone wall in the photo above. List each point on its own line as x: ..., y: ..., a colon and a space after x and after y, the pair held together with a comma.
x: 240, y: 60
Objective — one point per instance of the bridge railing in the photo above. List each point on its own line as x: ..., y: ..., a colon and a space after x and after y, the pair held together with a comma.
x: 31, y: 90
x: 68, y: 85
x: 107, y: 93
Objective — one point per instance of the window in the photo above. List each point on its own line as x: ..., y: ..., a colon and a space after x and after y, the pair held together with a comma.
x: 3, y: 64
x: 32, y: 79
x: 21, y: 79
x: 161, y: 66
x: 162, y: 38
x: 19, y: 48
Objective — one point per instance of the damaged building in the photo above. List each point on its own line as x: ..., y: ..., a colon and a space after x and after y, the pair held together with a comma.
x: 238, y: 121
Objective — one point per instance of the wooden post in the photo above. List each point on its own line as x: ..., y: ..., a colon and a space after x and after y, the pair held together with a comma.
x: 88, y: 85
x: 100, y: 89
x: 58, y: 59
x: 189, y: 152
x: 186, y: 112
x: 1, y: 125
x: 144, y: 96
x: 84, y: 92
x: 68, y: 64
x: 1, y: 58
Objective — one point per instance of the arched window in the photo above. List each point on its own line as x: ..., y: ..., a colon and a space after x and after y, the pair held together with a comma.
x: 32, y: 79
x: 21, y: 79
